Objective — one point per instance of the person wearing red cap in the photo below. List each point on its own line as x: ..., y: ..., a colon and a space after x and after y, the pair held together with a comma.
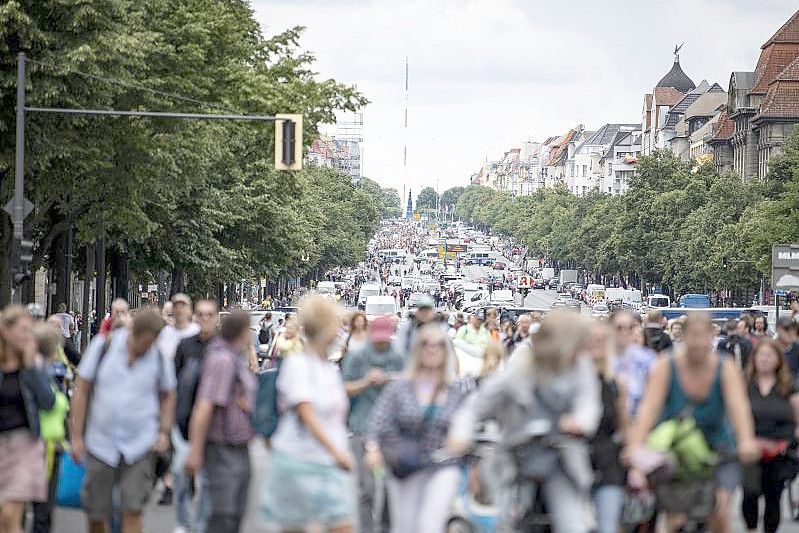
x: 365, y: 373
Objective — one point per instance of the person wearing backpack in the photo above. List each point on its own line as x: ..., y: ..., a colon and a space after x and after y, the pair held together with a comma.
x: 189, y: 358
x: 117, y: 436
x: 267, y: 330
x: 365, y: 373
x: 697, y: 379
x: 220, y: 429
x: 735, y: 345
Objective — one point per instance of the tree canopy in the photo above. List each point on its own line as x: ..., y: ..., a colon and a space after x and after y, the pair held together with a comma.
x: 427, y: 198
x: 202, y: 198
x: 680, y: 226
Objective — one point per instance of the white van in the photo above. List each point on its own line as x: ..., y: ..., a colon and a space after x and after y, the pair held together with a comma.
x: 367, y: 290
x: 326, y: 288
x: 380, y: 305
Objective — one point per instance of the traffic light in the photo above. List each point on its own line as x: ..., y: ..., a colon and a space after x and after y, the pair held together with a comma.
x: 288, y: 142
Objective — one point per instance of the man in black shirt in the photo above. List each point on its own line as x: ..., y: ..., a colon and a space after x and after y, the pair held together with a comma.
x: 206, y: 314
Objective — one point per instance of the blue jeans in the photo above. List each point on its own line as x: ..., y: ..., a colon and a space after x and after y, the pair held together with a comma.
x: 197, y: 521
x: 608, y: 502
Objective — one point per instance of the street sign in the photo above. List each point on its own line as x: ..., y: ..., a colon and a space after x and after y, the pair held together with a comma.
x: 785, y: 266
x: 525, y: 282
x: 457, y: 248
x: 27, y: 207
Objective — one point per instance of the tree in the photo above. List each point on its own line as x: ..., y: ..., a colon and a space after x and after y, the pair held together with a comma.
x: 199, y: 199
x: 450, y: 196
x: 427, y: 199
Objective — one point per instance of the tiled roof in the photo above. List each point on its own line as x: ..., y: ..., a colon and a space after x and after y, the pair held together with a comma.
x: 773, y: 60
x: 608, y: 133
x: 680, y: 107
x: 677, y: 79
x: 788, y: 33
x: 667, y: 96
x: 561, y: 147
x: 724, y: 128
x: 782, y: 99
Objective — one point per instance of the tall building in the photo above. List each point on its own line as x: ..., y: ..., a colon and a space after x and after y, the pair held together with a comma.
x: 763, y: 105
x: 669, y: 91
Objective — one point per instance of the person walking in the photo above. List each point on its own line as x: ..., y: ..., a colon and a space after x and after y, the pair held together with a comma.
x: 181, y: 327
x: 550, y: 381
x: 309, y: 481
x: 474, y: 332
x: 190, y: 356
x: 25, y: 389
x: 635, y: 361
x: 68, y: 325
x: 220, y: 429
x: 775, y: 409
x: 696, y: 375
x: 49, y: 342
x: 416, y: 412
x: 125, y: 431
x: 609, y: 475
x: 365, y: 374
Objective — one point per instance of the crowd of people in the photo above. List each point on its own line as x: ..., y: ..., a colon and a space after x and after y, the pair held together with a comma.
x: 382, y: 439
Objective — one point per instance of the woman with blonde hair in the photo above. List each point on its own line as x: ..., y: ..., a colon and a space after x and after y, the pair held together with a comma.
x: 407, y: 426
x: 24, y: 390
x: 309, y: 482
x: 552, y: 383
x: 493, y: 359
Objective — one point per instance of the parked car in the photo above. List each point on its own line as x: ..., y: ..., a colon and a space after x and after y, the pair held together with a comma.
x: 600, y: 310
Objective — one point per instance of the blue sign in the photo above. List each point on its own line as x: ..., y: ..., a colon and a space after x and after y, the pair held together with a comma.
x: 779, y: 292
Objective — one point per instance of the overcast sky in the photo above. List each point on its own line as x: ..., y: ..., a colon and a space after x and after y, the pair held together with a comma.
x: 486, y: 75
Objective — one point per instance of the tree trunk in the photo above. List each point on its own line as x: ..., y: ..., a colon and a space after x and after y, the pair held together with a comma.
x: 58, y: 266
x: 100, y: 267
x: 120, y: 281
x: 88, y: 274
x: 178, y: 282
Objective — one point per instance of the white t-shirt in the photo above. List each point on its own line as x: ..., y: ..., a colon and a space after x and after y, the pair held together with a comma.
x: 307, y: 378
x: 170, y: 337
x: 67, y: 324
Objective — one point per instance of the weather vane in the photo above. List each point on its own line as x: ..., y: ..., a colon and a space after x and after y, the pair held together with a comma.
x: 677, y: 49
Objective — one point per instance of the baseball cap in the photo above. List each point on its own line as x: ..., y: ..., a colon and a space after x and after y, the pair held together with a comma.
x: 425, y: 302
x: 181, y: 298
x: 381, y: 329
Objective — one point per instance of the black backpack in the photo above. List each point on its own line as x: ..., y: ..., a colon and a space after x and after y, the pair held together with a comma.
x: 188, y: 383
x: 265, y: 335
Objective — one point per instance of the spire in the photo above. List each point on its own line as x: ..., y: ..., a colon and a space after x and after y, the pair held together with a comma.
x: 409, y: 211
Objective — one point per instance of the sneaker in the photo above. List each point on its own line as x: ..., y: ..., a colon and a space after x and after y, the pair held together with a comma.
x: 166, y: 497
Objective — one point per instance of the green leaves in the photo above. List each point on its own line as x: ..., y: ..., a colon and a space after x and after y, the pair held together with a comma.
x: 200, y: 197
x: 674, y: 227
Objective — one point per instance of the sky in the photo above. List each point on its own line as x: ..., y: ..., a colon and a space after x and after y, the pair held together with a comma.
x: 488, y: 75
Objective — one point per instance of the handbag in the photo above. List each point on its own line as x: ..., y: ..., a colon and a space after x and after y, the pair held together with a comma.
x: 402, y: 454
x: 70, y: 480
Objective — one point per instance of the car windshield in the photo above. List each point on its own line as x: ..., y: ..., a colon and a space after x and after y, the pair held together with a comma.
x: 380, y: 309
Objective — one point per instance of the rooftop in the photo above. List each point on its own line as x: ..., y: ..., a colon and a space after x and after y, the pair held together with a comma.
x: 676, y: 78
x: 667, y: 96
x: 782, y: 98
x: 788, y: 32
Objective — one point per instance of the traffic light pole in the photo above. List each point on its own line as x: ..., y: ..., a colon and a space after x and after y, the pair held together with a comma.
x: 17, y: 203
x: 286, y: 153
